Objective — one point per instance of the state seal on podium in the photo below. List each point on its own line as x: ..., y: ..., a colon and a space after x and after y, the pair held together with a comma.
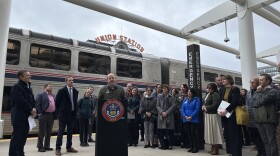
x: 112, y: 110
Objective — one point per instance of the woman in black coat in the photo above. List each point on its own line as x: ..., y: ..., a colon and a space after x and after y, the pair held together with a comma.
x: 232, y: 134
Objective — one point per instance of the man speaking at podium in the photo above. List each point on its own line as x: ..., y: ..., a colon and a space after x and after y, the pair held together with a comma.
x: 111, y: 120
x: 111, y: 90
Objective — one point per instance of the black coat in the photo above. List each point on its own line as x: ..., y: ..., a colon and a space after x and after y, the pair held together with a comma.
x: 22, y: 103
x: 233, y: 97
x: 63, y: 104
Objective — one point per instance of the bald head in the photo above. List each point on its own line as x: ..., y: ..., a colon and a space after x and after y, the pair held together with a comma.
x: 111, y: 79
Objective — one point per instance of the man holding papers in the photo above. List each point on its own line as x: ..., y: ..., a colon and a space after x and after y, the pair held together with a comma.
x: 232, y: 134
x: 23, y: 106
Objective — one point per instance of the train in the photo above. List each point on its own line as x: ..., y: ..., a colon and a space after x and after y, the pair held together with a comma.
x: 51, y: 58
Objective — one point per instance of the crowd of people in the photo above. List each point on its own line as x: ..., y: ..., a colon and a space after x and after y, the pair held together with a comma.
x: 165, y: 117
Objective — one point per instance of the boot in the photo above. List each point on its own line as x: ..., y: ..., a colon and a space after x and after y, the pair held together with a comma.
x: 211, y: 149
x: 215, y: 150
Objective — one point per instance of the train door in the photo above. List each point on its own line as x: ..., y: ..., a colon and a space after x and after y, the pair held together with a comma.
x: 164, y: 62
x: 6, y: 103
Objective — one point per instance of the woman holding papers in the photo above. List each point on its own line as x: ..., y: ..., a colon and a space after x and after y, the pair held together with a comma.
x: 232, y: 134
x: 212, y: 124
x: 190, y: 113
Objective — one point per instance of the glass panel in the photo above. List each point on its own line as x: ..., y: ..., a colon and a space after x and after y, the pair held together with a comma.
x: 49, y: 57
x: 94, y: 63
x: 13, y: 52
x: 210, y: 76
x: 129, y: 68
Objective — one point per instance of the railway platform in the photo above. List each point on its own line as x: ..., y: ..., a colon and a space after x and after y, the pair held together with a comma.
x: 31, y: 150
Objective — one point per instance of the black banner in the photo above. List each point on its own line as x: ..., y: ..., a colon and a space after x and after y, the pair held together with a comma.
x: 194, y: 68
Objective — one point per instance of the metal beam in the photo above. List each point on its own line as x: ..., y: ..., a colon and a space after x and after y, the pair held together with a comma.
x: 222, y: 12
x: 239, y: 2
x: 268, y: 15
x: 272, y: 10
x: 269, y: 52
x: 115, y: 12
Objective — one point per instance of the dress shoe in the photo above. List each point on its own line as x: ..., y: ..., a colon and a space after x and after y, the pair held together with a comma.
x: 146, y: 146
x: 90, y: 140
x: 190, y: 150
x: 86, y: 144
x: 41, y: 150
x: 48, y: 149
x: 194, y: 150
x: 83, y: 145
x: 72, y: 150
x: 142, y: 139
x: 170, y: 147
x: 57, y: 152
x: 135, y: 145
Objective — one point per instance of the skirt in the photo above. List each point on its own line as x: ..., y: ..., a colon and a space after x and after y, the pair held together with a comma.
x: 213, y: 129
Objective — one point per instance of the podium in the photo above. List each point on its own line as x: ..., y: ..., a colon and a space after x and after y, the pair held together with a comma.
x: 111, y: 131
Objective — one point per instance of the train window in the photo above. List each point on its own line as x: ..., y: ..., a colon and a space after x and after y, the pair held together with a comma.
x: 129, y: 68
x: 238, y: 81
x: 43, y: 56
x: 94, y: 63
x: 13, y: 52
x: 210, y: 76
x: 186, y: 73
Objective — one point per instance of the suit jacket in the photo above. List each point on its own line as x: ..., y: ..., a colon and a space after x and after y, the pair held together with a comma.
x: 22, y: 103
x: 63, y: 104
x: 233, y: 97
x: 42, y: 100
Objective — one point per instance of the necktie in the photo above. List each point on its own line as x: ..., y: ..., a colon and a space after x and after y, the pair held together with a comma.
x: 71, y: 98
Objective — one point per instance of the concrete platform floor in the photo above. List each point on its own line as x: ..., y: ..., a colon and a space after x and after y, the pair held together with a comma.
x: 31, y: 150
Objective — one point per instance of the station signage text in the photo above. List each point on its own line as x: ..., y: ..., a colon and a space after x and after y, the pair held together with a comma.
x: 113, y: 37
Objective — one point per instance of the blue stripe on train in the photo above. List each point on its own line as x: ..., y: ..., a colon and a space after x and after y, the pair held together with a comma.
x: 45, y: 78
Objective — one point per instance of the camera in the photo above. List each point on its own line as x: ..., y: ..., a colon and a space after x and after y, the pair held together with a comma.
x: 226, y: 39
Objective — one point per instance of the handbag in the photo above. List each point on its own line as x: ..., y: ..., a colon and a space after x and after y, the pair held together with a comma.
x: 242, y: 115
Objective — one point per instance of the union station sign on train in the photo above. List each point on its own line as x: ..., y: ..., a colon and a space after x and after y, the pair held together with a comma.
x: 113, y: 37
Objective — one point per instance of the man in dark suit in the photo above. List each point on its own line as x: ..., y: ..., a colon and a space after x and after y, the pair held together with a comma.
x: 46, y: 111
x: 23, y: 105
x: 66, y: 108
x: 93, y: 114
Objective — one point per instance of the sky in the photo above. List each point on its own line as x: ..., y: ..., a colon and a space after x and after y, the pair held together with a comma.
x: 60, y: 18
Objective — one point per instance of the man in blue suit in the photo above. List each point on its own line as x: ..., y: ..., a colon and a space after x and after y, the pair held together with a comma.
x: 66, y: 108
x: 46, y: 111
x: 23, y: 106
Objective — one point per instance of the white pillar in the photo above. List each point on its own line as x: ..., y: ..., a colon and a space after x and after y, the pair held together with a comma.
x: 247, y: 47
x: 5, y: 10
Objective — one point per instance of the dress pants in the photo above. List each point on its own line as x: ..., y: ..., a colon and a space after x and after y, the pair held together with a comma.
x: 84, y: 124
x: 91, y: 125
x: 166, y: 137
x: 133, y: 131
x: 232, y: 135
x: 62, y: 126
x: 268, y: 135
x: 18, y: 139
x: 45, y: 129
x: 192, y: 131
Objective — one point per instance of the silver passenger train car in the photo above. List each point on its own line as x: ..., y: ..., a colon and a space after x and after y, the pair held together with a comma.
x: 50, y: 59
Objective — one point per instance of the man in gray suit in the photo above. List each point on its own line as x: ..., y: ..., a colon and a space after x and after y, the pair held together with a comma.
x: 46, y: 111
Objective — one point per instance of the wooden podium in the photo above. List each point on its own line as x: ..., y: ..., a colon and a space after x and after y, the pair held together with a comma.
x: 111, y: 132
